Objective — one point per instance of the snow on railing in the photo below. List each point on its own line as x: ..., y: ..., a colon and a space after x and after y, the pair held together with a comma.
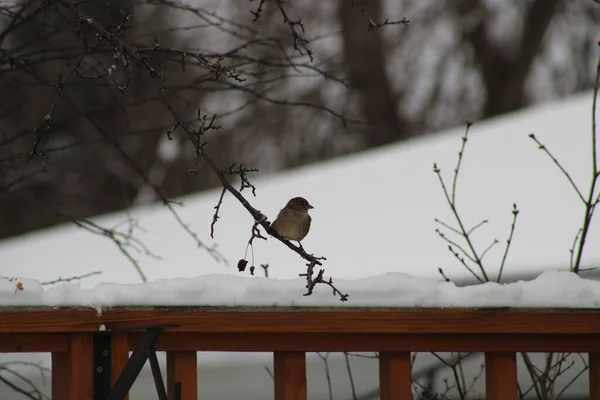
x: 90, y: 348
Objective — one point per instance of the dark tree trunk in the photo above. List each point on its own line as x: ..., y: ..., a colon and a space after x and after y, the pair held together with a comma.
x: 505, y: 73
x: 364, y: 58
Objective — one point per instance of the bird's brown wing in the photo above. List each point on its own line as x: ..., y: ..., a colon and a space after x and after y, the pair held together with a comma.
x: 277, y: 220
x: 306, y: 227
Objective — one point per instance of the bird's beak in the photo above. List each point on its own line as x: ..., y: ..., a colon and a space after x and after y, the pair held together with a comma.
x: 309, y: 207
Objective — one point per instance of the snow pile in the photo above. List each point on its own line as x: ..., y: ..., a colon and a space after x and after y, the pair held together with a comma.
x: 550, y: 289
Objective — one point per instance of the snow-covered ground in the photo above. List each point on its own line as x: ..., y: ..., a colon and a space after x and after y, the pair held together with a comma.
x: 373, y: 220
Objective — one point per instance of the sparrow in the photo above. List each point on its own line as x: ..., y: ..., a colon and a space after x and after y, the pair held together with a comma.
x: 293, y: 221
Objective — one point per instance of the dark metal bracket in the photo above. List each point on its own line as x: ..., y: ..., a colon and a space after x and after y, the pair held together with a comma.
x: 143, y: 352
x: 102, y: 365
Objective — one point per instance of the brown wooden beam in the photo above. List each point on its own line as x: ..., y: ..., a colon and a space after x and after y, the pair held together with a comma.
x: 33, y: 342
x: 304, y: 320
x: 177, y: 341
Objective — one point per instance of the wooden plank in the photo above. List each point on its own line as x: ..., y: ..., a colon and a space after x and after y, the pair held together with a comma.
x: 395, y: 375
x: 501, y: 376
x: 305, y: 320
x: 60, y: 376
x: 290, y: 375
x: 182, y: 368
x: 81, y: 366
x: 594, y: 375
x: 34, y: 342
x: 177, y: 341
x: 119, y: 349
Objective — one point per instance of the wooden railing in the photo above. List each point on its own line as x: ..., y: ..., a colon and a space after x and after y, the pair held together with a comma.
x: 71, y: 334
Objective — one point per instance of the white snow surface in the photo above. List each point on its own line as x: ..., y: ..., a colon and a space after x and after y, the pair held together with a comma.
x: 373, y: 217
x: 550, y: 289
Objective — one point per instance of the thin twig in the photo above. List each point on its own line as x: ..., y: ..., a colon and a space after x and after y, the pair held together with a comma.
x: 452, y: 243
x: 460, y: 157
x: 479, y: 225
x: 559, y: 165
x: 216, y: 215
x: 572, y: 250
x: 327, y: 373
x: 441, y: 271
x: 515, y: 212
x: 350, y: 377
x: 71, y: 279
x: 371, y: 24
x: 447, y: 226
x: 33, y: 393
x: 464, y: 263
x: 487, y: 249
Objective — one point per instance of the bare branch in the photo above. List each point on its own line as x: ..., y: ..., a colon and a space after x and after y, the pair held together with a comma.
x: 71, y: 278
x: 515, y: 212
x: 558, y: 164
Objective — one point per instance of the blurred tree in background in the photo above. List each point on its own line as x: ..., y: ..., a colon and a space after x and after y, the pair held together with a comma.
x: 86, y: 128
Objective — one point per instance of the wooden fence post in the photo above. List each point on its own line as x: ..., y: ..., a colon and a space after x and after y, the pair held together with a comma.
x: 290, y: 375
x: 501, y: 376
x: 119, y: 354
x: 72, y: 371
x: 60, y: 375
x: 395, y: 378
x: 182, y: 369
x: 594, y: 375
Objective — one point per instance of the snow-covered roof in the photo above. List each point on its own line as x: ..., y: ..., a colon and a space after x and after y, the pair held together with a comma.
x: 374, y: 211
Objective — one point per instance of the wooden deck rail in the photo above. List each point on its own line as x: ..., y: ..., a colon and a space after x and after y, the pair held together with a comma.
x: 68, y: 333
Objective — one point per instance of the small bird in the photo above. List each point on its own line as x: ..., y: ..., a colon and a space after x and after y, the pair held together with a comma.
x: 293, y: 221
